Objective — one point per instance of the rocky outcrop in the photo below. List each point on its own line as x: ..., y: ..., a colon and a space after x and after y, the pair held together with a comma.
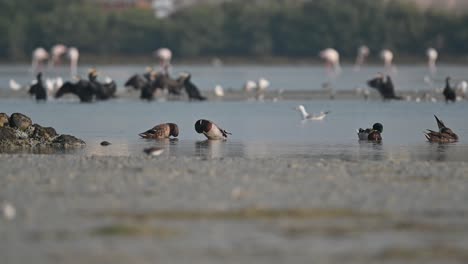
x: 18, y: 131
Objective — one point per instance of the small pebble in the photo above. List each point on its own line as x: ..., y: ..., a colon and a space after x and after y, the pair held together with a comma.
x: 105, y: 143
x: 8, y: 211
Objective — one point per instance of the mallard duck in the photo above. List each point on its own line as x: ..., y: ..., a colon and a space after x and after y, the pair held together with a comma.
x: 445, y: 134
x: 161, y: 131
x: 210, y: 129
x: 372, y: 134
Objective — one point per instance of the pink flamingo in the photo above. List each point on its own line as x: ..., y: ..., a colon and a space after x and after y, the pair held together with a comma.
x: 73, y: 55
x: 39, y: 58
x: 164, y: 55
x: 57, y: 52
x: 363, y: 53
x: 332, y: 61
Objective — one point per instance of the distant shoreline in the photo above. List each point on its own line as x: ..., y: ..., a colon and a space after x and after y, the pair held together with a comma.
x: 233, y: 61
x: 236, y: 95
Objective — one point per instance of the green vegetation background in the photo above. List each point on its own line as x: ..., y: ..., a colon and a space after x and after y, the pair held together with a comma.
x: 238, y: 28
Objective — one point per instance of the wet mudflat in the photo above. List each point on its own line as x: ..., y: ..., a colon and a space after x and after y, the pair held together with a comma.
x: 75, y: 209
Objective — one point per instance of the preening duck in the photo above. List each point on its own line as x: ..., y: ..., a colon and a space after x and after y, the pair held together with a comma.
x: 210, y: 130
x: 445, y: 134
x: 161, y: 131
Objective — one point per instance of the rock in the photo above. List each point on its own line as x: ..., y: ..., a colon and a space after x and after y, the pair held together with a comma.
x: 68, y: 141
x: 20, y: 121
x: 7, y: 133
x: 43, y: 133
x: 4, y: 120
x: 105, y: 143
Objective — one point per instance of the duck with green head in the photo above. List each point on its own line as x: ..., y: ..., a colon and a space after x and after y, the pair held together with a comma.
x: 371, y: 134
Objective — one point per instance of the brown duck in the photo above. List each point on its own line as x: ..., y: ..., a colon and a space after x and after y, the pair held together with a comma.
x: 161, y: 131
x: 445, y: 134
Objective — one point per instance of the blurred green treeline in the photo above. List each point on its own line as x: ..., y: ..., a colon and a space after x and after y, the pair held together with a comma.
x: 235, y: 28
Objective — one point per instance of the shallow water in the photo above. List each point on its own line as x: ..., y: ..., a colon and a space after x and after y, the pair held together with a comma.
x: 259, y: 129
x: 287, y: 77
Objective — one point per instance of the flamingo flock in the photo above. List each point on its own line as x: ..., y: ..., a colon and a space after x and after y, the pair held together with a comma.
x: 40, y: 58
x: 50, y: 61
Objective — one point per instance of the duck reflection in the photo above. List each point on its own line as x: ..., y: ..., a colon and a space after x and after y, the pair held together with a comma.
x: 435, y: 152
x: 168, y: 144
x: 371, y: 150
x: 210, y: 149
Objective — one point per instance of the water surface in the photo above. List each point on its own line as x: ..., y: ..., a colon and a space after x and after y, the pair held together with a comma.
x: 259, y: 129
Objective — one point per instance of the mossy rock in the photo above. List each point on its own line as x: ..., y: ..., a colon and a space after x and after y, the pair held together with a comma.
x: 20, y: 121
x: 7, y: 134
x: 43, y: 133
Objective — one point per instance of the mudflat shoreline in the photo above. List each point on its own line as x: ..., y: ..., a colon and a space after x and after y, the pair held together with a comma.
x: 140, y: 209
x: 271, y: 95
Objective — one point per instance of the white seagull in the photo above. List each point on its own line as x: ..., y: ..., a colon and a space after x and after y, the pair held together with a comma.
x: 14, y: 85
x: 307, y: 116
x: 219, y: 91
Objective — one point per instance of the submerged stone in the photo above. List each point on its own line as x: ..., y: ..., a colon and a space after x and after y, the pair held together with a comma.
x: 20, y: 121
x: 67, y: 141
x: 105, y: 143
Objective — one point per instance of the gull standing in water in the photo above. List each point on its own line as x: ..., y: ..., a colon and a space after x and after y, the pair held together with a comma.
x: 307, y: 116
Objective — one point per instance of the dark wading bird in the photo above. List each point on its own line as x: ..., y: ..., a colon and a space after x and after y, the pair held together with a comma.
x: 384, y: 85
x: 153, y: 82
x: 88, y: 90
x: 163, y: 81
x: 82, y: 89
x: 38, y: 89
x: 210, y: 130
x: 137, y: 81
x: 371, y: 134
x: 449, y: 92
x: 192, y: 90
x: 103, y: 91
x: 445, y: 134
